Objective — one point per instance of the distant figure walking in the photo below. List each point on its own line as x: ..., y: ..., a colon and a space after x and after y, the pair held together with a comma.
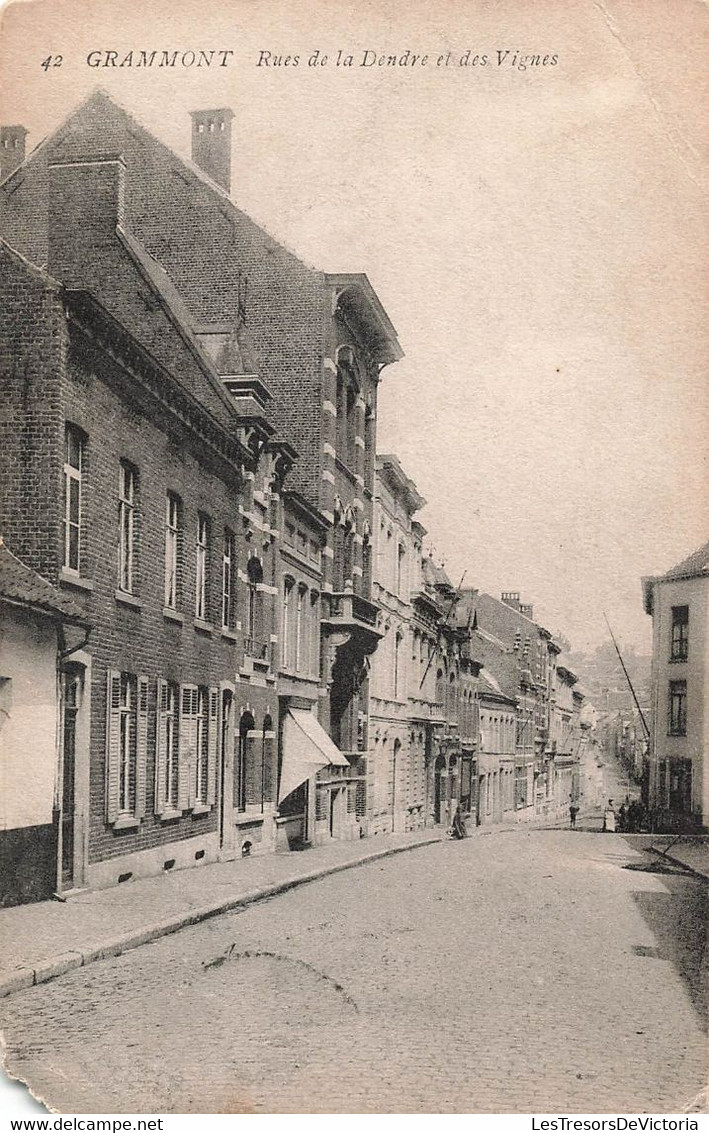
x: 609, y: 818
x: 458, y: 828
x: 622, y: 818
x: 573, y: 811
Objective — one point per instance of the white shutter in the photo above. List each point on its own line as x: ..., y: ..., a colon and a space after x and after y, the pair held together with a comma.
x: 188, y: 747
x: 160, y: 747
x: 212, y: 746
x: 113, y: 744
x: 141, y: 747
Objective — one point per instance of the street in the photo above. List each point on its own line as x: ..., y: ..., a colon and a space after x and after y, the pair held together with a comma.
x: 519, y: 971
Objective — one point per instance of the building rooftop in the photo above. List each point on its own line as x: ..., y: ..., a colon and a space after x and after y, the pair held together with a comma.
x: 22, y: 586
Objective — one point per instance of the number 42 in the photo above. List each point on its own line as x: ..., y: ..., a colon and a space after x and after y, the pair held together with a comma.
x: 52, y: 61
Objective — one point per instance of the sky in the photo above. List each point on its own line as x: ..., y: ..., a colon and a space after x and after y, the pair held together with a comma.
x: 538, y: 238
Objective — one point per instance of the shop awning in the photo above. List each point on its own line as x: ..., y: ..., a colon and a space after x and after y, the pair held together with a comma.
x: 306, y: 748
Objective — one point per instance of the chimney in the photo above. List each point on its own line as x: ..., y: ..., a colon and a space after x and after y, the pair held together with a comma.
x: 12, y: 149
x: 211, y: 144
x: 527, y: 610
x: 85, y: 206
x: 511, y: 599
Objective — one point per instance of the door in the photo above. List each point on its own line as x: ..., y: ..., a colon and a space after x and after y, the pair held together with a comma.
x: 333, y: 805
x: 439, y: 784
x: 225, y: 771
x: 71, y: 705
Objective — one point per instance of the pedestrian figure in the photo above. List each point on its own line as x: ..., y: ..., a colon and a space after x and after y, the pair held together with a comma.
x: 609, y: 818
x: 573, y: 811
x: 458, y: 828
x: 622, y: 825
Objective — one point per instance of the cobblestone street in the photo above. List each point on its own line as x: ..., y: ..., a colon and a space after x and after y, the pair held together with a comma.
x: 521, y: 971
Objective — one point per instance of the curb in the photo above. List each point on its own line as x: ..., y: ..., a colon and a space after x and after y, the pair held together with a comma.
x: 49, y: 969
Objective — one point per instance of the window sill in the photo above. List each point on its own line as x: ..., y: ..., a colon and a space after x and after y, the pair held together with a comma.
x: 243, y: 817
x: 66, y: 578
x: 203, y: 627
x: 126, y: 822
x: 228, y: 634
x: 172, y: 616
x: 200, y: 809
x: 170, y: 815
x: 127, y: 599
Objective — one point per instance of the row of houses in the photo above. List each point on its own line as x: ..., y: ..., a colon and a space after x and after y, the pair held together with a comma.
x: 222, y: 634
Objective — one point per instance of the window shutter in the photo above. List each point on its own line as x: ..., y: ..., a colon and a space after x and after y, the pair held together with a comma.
x: 113, y: 753
x: 141, y: 747
x: 212, y: 746
x: 160, y: 747
x: 188, y: 744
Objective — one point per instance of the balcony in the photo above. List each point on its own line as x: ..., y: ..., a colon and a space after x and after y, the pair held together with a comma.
x: 258, y: 650
x: 355, y: 616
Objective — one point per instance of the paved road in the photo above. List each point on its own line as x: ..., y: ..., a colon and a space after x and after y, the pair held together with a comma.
x: 514, y: 972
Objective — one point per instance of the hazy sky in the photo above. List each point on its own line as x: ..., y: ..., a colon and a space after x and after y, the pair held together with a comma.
x: 537, y: 238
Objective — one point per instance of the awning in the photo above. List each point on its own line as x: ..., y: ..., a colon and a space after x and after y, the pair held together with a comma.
x: 306, y: 748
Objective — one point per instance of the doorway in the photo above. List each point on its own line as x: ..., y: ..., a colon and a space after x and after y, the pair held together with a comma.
x: 71, y: 704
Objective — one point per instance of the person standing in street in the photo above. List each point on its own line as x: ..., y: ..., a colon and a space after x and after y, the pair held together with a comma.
x: 573, y: 811
x: 609, y: 818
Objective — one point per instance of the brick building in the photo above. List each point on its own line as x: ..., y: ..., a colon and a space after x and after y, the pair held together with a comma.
x: 167, y: 367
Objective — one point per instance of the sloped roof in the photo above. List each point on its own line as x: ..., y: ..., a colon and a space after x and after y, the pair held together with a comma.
x: 207, y: 246
x: 695, y: 564
x: 22, y: 586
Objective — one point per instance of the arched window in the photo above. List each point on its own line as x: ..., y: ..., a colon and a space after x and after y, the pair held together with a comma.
x: 397, y: 665
x: 314, y: 660
x: 254, y: 619
x: 300, y: 630
x: 267, y: 761
x: 246, y: 725
x: 285, y: 623
x: 400, y: 570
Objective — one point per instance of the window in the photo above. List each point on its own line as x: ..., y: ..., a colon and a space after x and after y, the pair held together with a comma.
x: 254, y: 618
x: 201, y: 604
x: 246, y: 725
x: 172, y: 549
x: 74, y: 457
x: 400, y: 572
x: 126, y: 746
x: 314, y: 663
x: 678, y: 708
x: 126, y: 527
x: 299, y: 628
x: 201, y: 753
x: 167, y: 748
x: 285, y: 622
x: 680, y: 633
x: 228, y: 564
x: 397, y: 664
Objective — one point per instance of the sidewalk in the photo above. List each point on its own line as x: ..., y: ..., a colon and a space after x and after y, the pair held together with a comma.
x: 44, y: 940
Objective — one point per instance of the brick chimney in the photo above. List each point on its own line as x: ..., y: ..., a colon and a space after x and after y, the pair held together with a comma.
x: 85, y: 205
x: 12, y: 149
x: 527, y: 610
x: 211, y: 144
x: 511, y: 599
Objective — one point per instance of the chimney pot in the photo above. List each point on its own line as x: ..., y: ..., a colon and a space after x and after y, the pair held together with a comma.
x: 211, y: 144
x: 12, y: 149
